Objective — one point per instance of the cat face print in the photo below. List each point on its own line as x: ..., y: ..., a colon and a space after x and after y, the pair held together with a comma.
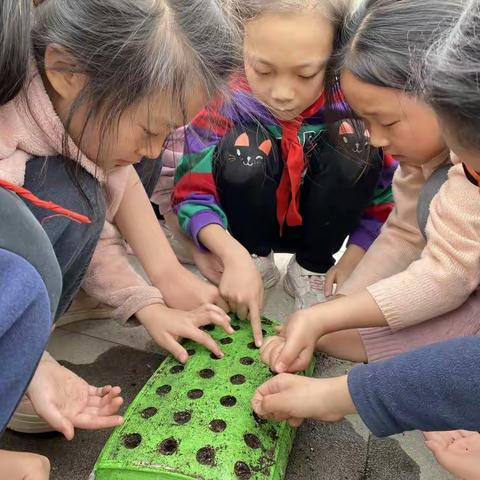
x: 351, y: 140
x: 250, y: 155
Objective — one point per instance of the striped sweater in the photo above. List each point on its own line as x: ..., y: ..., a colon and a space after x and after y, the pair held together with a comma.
x: 195, y: 198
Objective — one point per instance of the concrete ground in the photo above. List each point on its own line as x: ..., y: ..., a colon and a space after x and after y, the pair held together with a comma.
x: 102, y: 352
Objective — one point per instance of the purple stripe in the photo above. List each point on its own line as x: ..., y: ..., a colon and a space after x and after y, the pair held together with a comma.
x: 201, y: 220
x: 366, y: 233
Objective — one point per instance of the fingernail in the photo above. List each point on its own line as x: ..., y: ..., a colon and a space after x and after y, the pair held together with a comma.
x: 281, y: 367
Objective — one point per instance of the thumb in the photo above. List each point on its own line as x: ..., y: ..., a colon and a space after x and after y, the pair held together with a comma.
x: 56, y: 420
x: 329, y: 281
x: 277, y: 406
x: 291, y: 351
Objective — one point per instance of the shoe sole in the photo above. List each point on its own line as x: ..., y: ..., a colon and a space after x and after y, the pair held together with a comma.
x: 86, y: 314
x: 27, y: 423
x: 287, y: 286
x: 273, y: 279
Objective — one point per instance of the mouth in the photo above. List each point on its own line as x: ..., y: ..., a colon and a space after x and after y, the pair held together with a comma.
x: 123, y: 163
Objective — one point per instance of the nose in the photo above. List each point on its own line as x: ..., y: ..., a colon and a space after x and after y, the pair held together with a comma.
x: 153, y: 148
x: 282, y: 93
x: 378, y: 138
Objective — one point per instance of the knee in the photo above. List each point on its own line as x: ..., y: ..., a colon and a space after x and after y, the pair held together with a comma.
x: 245, y: 156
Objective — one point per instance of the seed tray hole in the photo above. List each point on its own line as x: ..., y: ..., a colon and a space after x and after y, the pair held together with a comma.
x: 206, y: 373
x: 265, y: 321
x: 214, y: 357
x: 247, y: 361
x: 217, y: 426
x: 191, y: 352
x: 177, y: 369
x: 236, y: 327
x: 195, y: 394
x: 209, y: 328
x: 228, y: 401
x: 226, y: 341
x: 132, y: 440
x: 182, y: 417
x: 238, y: 379
x: 206, y: 456
x: 242, y: 471
x: 252, y: 346
x: 149, y: 412
x: 163, y: 390
x: 258, y: 420
x: 252, y: 440
x: 168, y: 446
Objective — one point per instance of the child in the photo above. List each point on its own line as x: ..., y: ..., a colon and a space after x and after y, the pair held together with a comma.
x: 30, y: 281
x: 89, y: 96
x: 414, y: 286
x: 265, y: 167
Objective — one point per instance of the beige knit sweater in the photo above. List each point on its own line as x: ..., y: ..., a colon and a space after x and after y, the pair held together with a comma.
x: 412, y: 280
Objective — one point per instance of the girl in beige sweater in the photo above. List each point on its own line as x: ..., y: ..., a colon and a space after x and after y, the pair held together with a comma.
x: 413, y: 287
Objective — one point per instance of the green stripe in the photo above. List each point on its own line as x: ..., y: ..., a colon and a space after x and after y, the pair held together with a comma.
x: 200, y: 162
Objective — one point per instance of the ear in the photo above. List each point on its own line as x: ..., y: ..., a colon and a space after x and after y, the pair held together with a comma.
x: 60, y: 73
x: 366, y: 133
x: 266, y: 147
x: 346, y: 129
x: 242, y: 141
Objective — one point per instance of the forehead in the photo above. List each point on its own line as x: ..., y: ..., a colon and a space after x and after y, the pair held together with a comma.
x: 281, y: 39
x: 367, y: 99
x: 163, y: 109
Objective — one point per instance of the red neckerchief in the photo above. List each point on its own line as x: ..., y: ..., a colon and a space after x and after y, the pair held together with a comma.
x: 288, y: 192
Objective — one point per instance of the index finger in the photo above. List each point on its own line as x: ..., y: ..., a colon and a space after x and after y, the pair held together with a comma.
x: 256, y: 322
x: 203, y: 338
x: 291, y: 351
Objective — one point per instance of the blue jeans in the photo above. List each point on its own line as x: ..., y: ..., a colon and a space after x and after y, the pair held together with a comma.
x: 30, y: 285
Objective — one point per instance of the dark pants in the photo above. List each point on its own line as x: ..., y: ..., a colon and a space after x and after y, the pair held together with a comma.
x: 335, y: 192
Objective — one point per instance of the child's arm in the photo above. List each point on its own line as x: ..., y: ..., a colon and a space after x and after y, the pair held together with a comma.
x: 432, y: 389
x: 241, y: 284
x: 399, y: 243
x: 139, y: 227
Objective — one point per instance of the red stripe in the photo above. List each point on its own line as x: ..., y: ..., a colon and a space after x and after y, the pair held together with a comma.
x: 23, y: 192
x: 380, y: 212
x: 194, y: 183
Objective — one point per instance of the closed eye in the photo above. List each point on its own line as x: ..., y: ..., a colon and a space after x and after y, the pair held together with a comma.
x: 391, y: 124
x: 150, y: 133
x: 259, y: 157
x: 308, y: 77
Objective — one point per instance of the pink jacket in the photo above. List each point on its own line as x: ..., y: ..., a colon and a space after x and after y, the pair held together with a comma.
x: 413, y: 280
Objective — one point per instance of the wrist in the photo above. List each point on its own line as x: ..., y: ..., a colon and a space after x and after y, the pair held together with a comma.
x: 333, y: 399
x: 151, y: 313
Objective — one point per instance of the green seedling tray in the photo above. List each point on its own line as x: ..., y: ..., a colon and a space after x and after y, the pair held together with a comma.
x: 196, y: 421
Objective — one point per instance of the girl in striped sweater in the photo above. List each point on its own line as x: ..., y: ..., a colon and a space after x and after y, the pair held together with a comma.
x: 274, y: 169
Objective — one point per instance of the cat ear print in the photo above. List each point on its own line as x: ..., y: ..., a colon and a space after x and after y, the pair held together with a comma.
x: 242, y: 141
x: 346, y: 129
x: 366, y: 133
x: 266, y: 147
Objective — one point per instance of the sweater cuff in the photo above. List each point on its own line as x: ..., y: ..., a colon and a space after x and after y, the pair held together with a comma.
x: 360, y: 378
x: 201, y: 220
x: 361, y: 238
x: 386, y: 305
x: 138, y: 298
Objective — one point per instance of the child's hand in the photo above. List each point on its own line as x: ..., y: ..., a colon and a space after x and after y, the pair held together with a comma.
x: 166, y: 326
x: 340, y: 272
x: 457, y: 451
x: 294, y: 398
x: 271, y: 348
x: 66, y: 401
x: 183, y: 290
x: 24, y: 466
x: 210, y: 266
x: 242, y: 287
x: 300, y: 336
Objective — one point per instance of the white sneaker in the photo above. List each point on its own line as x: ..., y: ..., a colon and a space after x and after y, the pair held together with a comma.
x: 268, y: 270
x: 308, y: 288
